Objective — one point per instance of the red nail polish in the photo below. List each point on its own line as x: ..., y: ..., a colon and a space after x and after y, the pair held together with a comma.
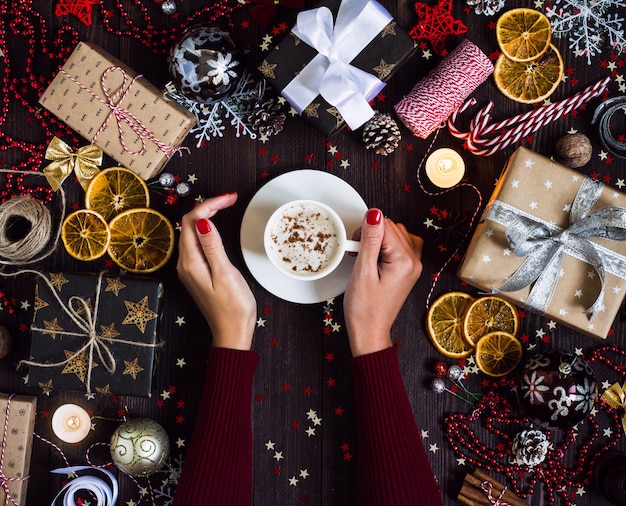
x: 203, y: 226
x: 374, y: 217
x: 225, y: 194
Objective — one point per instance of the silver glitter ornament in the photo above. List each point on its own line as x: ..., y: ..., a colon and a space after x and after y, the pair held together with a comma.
x: 454, y: 372
x: 168, y: 7
x: 183, y: 189
x: 139, y: 447
x: 438, y: 386
x: 166, y: 179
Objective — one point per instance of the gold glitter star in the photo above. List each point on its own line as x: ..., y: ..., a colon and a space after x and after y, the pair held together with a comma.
x: 333, y: 111
x: 109, y: 332
x: 114, y: 285
x: 296, y: 39
x: 312, y: 110
x: 132, y: 368
x: 81, y: 309
x: 77, y: 364
x: 383, y: 69
x: 139, y: 313
x: 267, y: 69
x: 106, y: 390
x: 46, y: 387
x: 39, y: 302
x: 390, y: 29
x: 52, y: 327
x: 58, y: 280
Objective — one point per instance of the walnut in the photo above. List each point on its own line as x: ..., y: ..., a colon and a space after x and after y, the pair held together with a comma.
x: 573, y: 150
x: 5, y: 341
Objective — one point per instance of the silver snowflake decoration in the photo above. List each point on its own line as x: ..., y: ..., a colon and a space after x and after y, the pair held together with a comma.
x: 210, y: 117
x: 486, y: 7
x: 222, y: 68
x: 588, y: 25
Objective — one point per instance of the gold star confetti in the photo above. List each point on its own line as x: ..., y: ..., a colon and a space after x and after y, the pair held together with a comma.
x: 383, y: 69
x: 46, y: 387
x: 105, y: 390
x: 390, y: 29
x: 132, y: 368
x: 267, y: 69
x: 58, y: 280
x: 109, y: 332
x: 114, y: 285
x: 139, y: 313
x: 52, y: 327
x: 312, y: 110
x: 77, y: 364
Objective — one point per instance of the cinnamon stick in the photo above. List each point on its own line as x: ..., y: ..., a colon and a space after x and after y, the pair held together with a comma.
x: 479, y: 477
x: 474, y: 494
x: 468, y: 502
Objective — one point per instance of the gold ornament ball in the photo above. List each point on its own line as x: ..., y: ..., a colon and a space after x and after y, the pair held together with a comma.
x: 5, y: 342
x: 573, y: 150
x: 139, y: 447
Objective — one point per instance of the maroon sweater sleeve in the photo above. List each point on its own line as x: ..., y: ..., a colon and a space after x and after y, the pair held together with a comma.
x: 393, y: 467
x: 218, y: 465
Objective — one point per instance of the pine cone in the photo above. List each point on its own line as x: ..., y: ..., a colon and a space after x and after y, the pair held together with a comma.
x: 382, y: 134
x: 530, y: 447
x: 266, y: 117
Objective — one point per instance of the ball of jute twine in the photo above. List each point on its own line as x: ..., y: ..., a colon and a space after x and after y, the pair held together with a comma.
x: 37, y: 233
x: 27, y: 230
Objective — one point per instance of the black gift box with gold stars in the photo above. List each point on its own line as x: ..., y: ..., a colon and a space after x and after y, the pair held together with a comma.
x: 381, y: 57
x: 95, y: 333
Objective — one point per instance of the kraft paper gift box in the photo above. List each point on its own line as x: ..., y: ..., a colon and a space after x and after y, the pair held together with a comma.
x: 95, y: 333
x: 113, y: 107
x: 18, y: 423
x: 547, y: 239
x: 368, y: 48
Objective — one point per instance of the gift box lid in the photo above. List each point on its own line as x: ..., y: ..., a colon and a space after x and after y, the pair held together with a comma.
x: 567, y: 229
x: 380, y: 55
x: 95, y: 333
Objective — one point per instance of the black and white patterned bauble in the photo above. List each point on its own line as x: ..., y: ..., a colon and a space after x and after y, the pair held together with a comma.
x: 557, y: 389
x: 206, y: 64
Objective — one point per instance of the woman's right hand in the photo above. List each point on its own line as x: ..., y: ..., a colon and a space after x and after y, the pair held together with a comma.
x: 216, y: 286
x: 387, y: 267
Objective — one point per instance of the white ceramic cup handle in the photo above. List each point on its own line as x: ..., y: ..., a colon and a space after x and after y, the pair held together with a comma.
x: 352, y: 246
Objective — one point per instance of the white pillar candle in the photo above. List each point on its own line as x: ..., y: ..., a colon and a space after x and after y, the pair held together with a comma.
x: 71, y: 423
x: 445, y: 168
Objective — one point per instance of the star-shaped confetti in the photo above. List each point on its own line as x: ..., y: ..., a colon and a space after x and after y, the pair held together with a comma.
x: 435, y: 23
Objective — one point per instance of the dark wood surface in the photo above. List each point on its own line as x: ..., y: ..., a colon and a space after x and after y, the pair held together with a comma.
x: 304, y: 362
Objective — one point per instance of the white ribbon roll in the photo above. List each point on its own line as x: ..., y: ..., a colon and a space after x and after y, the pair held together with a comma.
x: 104, y: 493
x: 329, y: 73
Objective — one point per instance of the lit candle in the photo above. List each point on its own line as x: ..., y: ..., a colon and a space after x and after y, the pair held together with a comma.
x: 445, y: 168
x: 71, y: 423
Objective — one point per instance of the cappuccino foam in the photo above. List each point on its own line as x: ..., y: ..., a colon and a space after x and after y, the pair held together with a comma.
x: 305, y: 238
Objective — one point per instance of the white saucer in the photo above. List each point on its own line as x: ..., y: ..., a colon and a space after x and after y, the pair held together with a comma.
x: 299, y: 184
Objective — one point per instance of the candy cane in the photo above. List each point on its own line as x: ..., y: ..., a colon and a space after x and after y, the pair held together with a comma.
x: 525, y: 123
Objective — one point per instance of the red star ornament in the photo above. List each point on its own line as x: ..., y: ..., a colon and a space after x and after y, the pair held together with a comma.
x: 435, y: 23
x: 79, y: 8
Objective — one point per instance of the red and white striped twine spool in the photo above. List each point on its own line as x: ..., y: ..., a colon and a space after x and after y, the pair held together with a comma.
x: 517, y: 127
x: 434, y: 98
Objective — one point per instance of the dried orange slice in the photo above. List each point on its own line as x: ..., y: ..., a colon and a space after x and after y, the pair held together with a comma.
x: 114, y: 190
x: 444, y: 323
x: 85, y: 235
x: 532, y: 81
x: 489, y: 314
x: 523, y: 34
x: 142, y: 240
x: 498, y: 353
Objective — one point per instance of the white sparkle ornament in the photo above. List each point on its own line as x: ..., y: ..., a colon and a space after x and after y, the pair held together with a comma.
x: 168, y: 7
x: 139, y: 447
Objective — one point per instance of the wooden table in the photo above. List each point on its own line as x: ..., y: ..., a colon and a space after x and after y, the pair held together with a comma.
x: 304, y: 439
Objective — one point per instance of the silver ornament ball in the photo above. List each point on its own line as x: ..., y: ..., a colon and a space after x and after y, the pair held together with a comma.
x: 438, y: 386
x: 168, y: 7
x: 139, y: 447
x: 455, y: 372
x: 166, y: 179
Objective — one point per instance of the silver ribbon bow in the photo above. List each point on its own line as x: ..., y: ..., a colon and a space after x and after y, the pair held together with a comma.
x: 543, y: 244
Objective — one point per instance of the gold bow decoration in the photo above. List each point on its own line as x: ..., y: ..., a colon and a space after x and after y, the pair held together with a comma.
x: 84, y: 163
x: 615, y: 396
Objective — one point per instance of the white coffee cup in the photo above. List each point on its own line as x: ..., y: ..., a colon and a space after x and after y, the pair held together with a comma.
x: 306, y: 239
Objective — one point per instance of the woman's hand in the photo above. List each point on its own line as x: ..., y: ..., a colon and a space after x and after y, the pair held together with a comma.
x: 387, y: 266
x: 217, y: 287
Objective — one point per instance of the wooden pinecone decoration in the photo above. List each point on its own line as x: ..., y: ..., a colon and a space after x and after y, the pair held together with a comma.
x: 381, y: 133
x: 267, y: 117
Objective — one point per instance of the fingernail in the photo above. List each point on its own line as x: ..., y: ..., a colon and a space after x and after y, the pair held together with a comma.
x: 374, y: 217
x: 225, y: 194
x: 203, y: 226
